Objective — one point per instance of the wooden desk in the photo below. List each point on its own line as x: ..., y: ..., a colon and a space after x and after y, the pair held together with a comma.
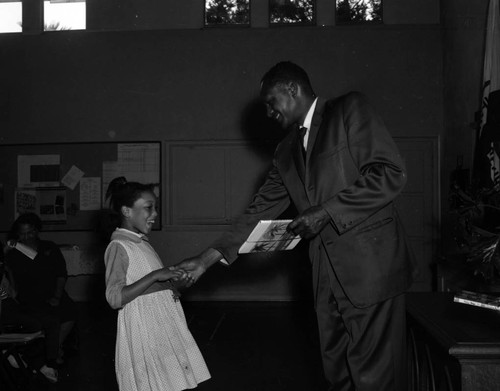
x: 452, y: 346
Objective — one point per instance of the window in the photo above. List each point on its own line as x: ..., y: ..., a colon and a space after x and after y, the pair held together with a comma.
x: 11, y: 16
x: 64, y: 15
x: 298, y: 12
x: 358, y: 11
x: 227, y: 12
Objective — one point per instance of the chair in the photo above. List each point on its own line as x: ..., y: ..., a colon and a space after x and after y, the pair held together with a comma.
x: 10, y: 345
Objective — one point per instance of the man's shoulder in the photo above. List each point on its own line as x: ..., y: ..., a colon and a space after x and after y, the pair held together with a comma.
x: 352, y: 96
x: 285, y: 143
x: 348, y: 102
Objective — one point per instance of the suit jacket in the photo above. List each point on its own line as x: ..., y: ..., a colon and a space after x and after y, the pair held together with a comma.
x: 352, y: 169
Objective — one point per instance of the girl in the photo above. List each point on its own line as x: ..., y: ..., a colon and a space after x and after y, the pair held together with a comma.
x: 154, y: 348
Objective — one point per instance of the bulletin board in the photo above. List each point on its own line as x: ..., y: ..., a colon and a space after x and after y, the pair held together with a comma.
x: 65, y: 183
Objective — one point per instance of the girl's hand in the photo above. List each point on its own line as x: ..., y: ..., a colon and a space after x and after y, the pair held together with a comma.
x: 165, y: 274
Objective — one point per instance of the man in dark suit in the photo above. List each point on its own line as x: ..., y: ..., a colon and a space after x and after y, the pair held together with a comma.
x: 342, y: 170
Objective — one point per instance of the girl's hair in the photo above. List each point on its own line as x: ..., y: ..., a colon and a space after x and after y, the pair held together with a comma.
x: 119, y: 193
x: 123, y: 193
x: 26, y: 218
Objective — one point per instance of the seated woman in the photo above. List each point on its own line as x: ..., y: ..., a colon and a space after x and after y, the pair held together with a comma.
x: 37, y: 270
x: 12, y: 320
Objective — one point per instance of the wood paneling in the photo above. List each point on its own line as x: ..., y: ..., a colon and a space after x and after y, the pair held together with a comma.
x: 419, y: 204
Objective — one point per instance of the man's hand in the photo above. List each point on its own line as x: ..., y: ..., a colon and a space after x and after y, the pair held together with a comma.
x: 310, y: 222
x: 196, y: 266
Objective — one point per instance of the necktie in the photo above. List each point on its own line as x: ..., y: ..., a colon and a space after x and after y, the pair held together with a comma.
x: 302, y: 133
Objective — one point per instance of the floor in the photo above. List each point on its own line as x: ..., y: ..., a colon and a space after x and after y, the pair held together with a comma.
x: 248, y: 346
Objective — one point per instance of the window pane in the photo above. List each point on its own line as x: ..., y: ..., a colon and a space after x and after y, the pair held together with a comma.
x: 227, y: 12
x: 11, y: 16
x: 64, y: 15
x: 359, y: 11
x: 291, y: 11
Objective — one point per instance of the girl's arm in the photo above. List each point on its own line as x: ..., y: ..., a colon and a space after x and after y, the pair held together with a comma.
x: 118, y: 293
x: 116, y: 261
x: 130, y: 292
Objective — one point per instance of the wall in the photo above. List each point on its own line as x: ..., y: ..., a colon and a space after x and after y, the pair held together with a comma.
x: 188, y: 84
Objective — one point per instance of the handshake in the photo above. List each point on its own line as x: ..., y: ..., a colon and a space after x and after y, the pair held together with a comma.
x: 191, y: 269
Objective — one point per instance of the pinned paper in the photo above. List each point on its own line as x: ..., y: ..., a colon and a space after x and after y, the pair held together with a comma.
x: 139, y: 162
x: 90, y: 193
x: 72, y: 177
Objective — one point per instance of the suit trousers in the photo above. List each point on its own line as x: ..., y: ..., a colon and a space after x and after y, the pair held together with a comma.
x: 363, y: 349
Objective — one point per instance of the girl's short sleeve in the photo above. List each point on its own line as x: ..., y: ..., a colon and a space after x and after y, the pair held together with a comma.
x: 116, y: 261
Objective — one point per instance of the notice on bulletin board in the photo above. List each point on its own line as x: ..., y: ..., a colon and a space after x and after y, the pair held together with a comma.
x: 136, y: 162
x: 90, y: 193
x: 72, y: 177
x: 140, y: 162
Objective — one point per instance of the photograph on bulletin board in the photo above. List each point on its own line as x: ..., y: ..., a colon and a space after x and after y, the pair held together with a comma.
x: 48, y: 203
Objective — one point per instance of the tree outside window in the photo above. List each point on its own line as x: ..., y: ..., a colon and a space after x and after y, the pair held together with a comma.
x: 358, y: 11
x: 301, y: 12
x: 227, y: 12
x: 64, y: 15
x: 11, y: 15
